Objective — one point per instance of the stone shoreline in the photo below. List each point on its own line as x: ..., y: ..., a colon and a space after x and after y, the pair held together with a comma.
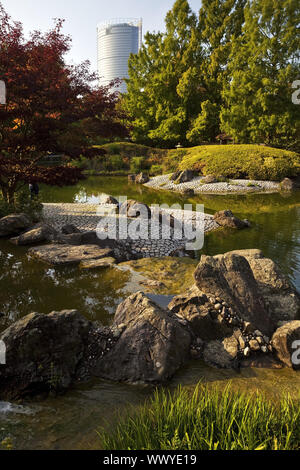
x: 233, y: 186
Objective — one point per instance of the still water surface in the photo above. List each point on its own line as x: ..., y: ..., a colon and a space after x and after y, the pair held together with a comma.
x: 27, y: 286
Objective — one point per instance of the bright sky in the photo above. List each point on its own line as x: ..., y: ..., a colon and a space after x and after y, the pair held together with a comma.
x: 82, y: 17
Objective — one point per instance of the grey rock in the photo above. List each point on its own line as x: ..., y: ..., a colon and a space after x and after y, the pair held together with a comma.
x: 290, y: 184
x: 281, y: 299
x: 14, y: 224
x: 230, y: 277
x: 151, y: 337
x: 98, y: 263
x: 227, y: 219
x: 209, y: 179
x: 142, y: 178
x: 185, y: 176
x: 60, y: 255
x: 69, y: 229
x: 43, y: 353
x: 222, y: 354
x: 106, y: 199
x: 38, y: 234
x: 195, y: 308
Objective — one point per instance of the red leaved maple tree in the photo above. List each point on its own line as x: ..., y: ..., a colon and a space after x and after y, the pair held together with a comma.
x: 51, y: 107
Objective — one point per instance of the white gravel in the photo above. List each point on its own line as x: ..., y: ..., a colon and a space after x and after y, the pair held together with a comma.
x: 86, y: 218
x: 164, y: 182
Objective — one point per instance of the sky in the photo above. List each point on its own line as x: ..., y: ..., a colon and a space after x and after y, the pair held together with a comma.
x: 81, y: 18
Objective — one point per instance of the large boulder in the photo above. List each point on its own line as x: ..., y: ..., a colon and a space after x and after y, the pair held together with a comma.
x: 185, y: 176
x: 175, y: 175
x: 227, y: 219
x: 14, y: 224
x: 43, y: 353
x: 222, y: 353
x: 38, y: 234
x: 281, y: 299
x: 152, y: 346
x: 204, y: 317
x: 61, y: 255
x: 132, y: 208
x: 286, y: 343
x: 229, y: 278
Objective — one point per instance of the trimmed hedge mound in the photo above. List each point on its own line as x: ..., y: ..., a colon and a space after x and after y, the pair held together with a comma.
x: 241, y: 161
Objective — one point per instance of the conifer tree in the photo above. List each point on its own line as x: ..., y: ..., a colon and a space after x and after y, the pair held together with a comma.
x: 264, y: 63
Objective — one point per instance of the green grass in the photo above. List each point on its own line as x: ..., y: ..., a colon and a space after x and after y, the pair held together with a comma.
x: 207, y: 419
x: 255, y: 162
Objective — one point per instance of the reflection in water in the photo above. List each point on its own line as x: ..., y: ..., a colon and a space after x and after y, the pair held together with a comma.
x: 28, y: 285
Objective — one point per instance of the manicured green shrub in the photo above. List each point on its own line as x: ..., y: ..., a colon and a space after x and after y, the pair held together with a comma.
x: 208, y: 419
x: 254, y: 162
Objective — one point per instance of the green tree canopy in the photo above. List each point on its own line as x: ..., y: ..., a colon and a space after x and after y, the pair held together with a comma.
x: 264, y: 63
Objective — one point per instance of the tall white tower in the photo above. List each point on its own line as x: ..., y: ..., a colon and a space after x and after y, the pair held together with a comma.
x: 117, y: 39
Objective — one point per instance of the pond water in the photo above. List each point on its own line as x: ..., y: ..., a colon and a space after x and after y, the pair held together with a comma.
x: 26, y: 286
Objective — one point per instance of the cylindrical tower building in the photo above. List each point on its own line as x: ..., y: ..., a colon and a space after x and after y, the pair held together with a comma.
x: 117, y: 39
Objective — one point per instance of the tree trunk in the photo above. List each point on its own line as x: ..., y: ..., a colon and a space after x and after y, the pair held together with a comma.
x: 11, y: 196
x: 4, y: 193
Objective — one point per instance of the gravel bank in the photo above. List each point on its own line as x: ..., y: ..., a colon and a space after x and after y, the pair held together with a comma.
x: 233, y: 186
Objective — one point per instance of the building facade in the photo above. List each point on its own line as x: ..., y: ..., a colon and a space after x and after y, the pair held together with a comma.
x: 117, y: 39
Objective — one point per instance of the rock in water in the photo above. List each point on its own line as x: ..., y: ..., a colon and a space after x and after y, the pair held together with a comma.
x: 43, y: 353
x: 59, y: 255
x: 38, y: 234
x: 142, y: 178
x: 98, y: 263
x: 152, y: 347
x: 14, y: 224
x: 227, y: 219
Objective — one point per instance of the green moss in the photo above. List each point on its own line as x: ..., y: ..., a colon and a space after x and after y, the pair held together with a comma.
x: 175, y: 273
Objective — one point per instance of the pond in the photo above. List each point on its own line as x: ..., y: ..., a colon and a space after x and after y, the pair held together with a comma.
x: 26, y: 286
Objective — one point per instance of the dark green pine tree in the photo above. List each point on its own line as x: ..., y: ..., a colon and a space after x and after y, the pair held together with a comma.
x: 164, y: 90
x: 220, y: 22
